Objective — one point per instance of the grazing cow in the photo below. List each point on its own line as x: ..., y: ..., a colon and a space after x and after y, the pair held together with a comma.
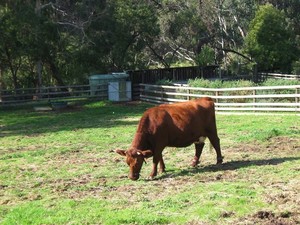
x: 173, y: 125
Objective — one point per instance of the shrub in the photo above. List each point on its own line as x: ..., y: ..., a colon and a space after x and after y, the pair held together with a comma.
x: 219, y: 84
x: 279, y: 82
x: 296, y: 67
x: 164, y: 82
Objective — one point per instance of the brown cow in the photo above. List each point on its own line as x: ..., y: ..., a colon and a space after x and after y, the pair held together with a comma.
x: 174, y: 125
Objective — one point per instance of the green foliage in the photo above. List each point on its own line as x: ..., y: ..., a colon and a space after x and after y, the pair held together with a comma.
x: 73, y: 39
x: 164, y: 82
x: 17, y: 28
x: 136, y: 26
x: 220, y: 84
x: 104, y: 37
x: 239, y: 83
x: 239, y: 66
x: 206, y: 57
x: 185, y: 23
x: 279, y: 82
x: 269, y: 40
x: 202, y: 83
x: 296, y: 67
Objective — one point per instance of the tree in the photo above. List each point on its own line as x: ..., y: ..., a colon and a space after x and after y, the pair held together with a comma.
x: 188, y: 26
x: 16, y: 32
x: 205, y: 57
x: 183, y: 32
x: 269, y: 40
x: 135, y: 27
x: 63, y: 42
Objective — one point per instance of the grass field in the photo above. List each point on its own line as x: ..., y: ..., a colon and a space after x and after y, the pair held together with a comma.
x: 60, y: 168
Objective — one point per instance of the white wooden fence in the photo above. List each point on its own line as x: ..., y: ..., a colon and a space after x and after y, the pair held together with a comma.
x: 254, y: 99
x: 280, y: 76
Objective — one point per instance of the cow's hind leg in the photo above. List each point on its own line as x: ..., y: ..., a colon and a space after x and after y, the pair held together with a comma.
x: 198, y: 150
x: 162, y: 167
x: 215, y: 141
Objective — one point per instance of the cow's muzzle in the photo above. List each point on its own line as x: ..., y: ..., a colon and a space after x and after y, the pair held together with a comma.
x: 134, y: 176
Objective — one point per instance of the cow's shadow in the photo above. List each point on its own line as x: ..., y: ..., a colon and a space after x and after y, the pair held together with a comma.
x: 227, y: 166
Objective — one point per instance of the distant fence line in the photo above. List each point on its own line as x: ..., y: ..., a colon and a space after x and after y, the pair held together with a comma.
x: 263, y: 99
x: 72, y: 92
x: 151, y: 76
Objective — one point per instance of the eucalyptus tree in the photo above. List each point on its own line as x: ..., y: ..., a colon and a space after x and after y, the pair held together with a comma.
x: 182, y: 32
x: 188, y: 26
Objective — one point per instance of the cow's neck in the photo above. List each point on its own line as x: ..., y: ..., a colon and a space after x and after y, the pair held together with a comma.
x: 140, y: 142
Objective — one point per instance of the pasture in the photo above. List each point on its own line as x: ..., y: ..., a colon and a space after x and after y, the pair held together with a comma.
x: 60, y: 168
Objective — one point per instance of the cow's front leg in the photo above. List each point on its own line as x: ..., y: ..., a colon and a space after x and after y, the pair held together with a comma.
x: 156, y: 160
x: 198, y: 150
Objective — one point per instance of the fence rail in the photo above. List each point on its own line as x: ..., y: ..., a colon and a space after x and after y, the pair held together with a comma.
x: 263, y: 99
x: 279, y: 76
x: 70, y: 93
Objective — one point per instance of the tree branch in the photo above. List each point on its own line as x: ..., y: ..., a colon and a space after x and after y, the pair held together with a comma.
x: 235, y: 52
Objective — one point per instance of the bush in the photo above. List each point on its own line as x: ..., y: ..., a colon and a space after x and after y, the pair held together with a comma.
x: 296, y: 67
x: 164, y: 82
x: 279, y: 82
x: 239, y: 83
x: 219, y: 84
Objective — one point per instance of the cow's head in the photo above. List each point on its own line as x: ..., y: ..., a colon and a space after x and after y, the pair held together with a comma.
x: 135, y: 159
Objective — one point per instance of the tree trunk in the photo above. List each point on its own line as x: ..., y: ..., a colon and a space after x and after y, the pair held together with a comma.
x: 0, y: 85
x: 39, y: 61
x: 55, y: 74
x: 57, y: 77
x: 39, y: 68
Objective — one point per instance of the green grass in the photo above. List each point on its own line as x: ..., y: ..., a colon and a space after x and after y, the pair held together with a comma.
x: 60, y: 168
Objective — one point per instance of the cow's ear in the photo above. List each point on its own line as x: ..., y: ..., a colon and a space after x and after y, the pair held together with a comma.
x: 146, y: 153
x: 121, y: 152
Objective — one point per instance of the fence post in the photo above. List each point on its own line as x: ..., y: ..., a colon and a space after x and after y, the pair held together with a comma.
x: 296, y: 98
x: 48, y: 92
x: 188, y: 92
x: 142, y: 90
x: 254, y: 94
x: 254, y: 98
x: 217, y: 94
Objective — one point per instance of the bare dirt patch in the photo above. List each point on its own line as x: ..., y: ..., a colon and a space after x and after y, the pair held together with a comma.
x: 270, y: 218
x: 276, y: 144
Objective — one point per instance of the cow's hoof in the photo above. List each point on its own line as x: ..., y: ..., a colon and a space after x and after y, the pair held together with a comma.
x: 150, y: 178
x: 220, y: 160
x: 162, y: 171
x: 195, y: 163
